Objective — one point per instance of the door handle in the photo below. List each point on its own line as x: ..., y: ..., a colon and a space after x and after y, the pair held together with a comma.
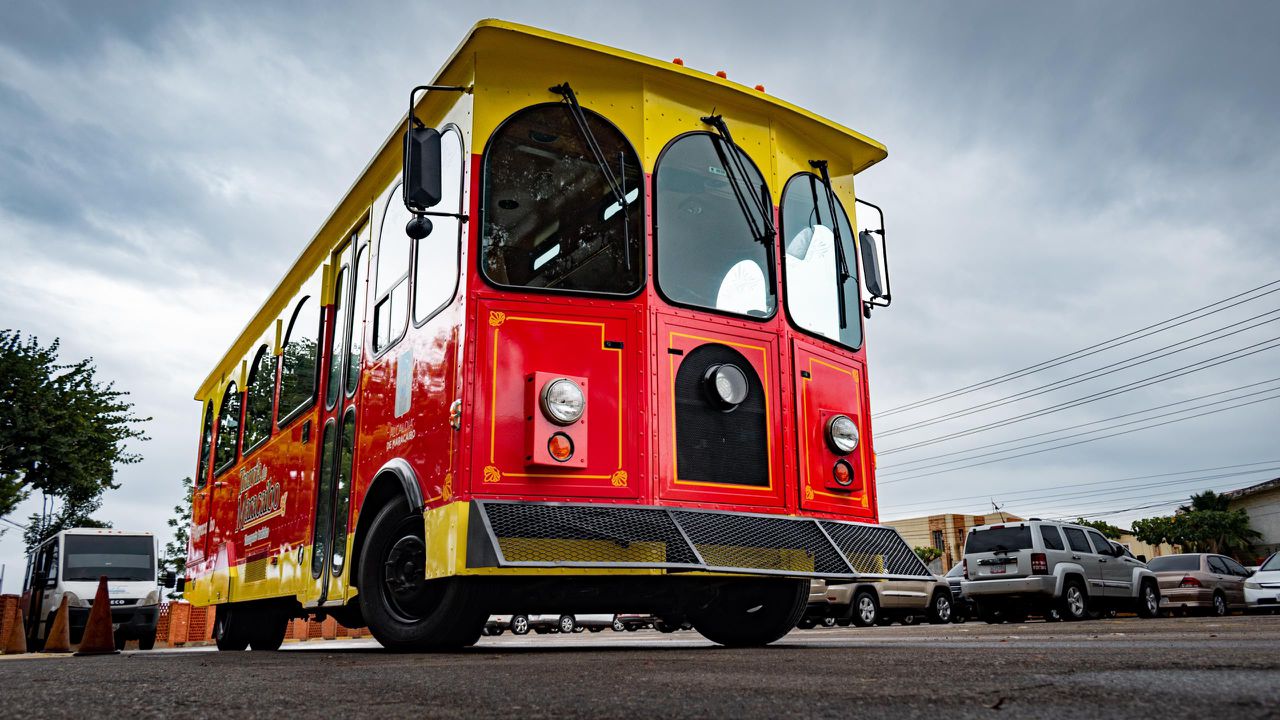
x: 1102, y: 559
x: 1075, y: 557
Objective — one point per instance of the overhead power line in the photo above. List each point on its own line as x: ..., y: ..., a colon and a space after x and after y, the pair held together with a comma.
x: 1237, y: 354
x: 1112, y: 482
x: 1088, y: 440
x: 1074, y: 492
x: 1115, y: 367
x: 1176, y: 321
x: 1080, y: 425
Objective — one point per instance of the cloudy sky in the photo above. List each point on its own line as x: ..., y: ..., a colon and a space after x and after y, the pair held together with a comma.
x: 1059, y: 175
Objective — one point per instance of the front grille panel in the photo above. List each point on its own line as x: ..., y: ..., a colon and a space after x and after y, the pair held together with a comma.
x: 712, y: 445
x: 587, y: 534
x: 582, y: 535
x: 874, y: 549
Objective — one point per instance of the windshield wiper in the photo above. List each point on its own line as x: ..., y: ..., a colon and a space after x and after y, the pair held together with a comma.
x: 764, y: 232
x: 618, y: 188
x: 842, y: 263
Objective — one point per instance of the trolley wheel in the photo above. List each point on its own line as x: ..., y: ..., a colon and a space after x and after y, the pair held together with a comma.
x: 230, y: 629
x: 268, y: 630
x: 404, y: 610
x: 752, y: 613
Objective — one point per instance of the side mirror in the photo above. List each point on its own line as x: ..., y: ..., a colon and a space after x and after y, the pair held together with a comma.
x: 1142, y: 559
x: 180, y: 584
x: 421, y: 188
x: 166, y: 579
x: 875, y: 257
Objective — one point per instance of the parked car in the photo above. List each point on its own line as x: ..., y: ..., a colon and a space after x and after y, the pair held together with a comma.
x: 1200, y: 582
x: 552, y: 623
x: 882, y: 602
x: 962, y: 607
x: 498, y: 624
x: 1262, y: 589
x: 1037, y: 566
x: 631, y: 623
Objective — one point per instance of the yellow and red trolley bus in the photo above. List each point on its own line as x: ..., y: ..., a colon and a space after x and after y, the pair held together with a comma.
x: 586, y: 335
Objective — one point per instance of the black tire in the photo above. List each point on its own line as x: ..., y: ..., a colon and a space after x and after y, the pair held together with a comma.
x: 910, y: 620
x: 940, y: 608
x: 566, y: 624
x: 1148, y: 600
x: 1015, y: 615
x: 230, y: 631
x: 120, y: 640
x: 866, y: 608
x: 959, y: 618
x: 403, y: 609
x: 147, y: 641
x: 595, y: 629
x: 268, y: 631
x: 844, y: 622
x: 752, y: 613
x: 991, y: 614
x: 519, y: 624
x: 828, y: 622
x: 1219, y: 608
x: 806, y: 623
x: 1074, y: 605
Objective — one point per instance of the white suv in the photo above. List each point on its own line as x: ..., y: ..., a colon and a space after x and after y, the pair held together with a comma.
x: 1037, y: 566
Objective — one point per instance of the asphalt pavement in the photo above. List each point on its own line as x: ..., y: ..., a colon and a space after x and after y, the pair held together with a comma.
x: 1124, y: 667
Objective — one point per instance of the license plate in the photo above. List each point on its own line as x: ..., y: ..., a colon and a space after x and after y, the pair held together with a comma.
x: 997, y: 570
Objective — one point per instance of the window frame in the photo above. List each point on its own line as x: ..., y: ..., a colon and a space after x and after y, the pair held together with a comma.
x: 1107, y: 549
x: 283, y: 421
x: 204, y: 459
x: 219, y: 470
x: 342, y: 290
x: 363, y: 251
x: 645, y: 217
x: 1052, y: 531
x: 376, y: 246
x: 264, y: 351
x: 856, y: 309
x: 1067, y: 531
x: 655, y: 221
x: 462, y: 228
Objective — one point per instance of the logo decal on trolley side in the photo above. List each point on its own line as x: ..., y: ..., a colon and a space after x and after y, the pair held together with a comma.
x: 256, y: 505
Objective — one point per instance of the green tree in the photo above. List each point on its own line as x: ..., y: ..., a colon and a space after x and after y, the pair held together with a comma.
x: 62, y: 431
x: 53, y: 519
x: 174, y: 558
x: 1204, y: 525
x: 927, y: 553
x: 1111, y: 532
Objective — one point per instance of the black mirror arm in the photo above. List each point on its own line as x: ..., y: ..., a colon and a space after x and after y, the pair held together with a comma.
x: 412, y: 121
x: 887, y: 298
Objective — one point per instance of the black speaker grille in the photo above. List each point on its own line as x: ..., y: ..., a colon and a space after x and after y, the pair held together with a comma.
x: 712, y: 445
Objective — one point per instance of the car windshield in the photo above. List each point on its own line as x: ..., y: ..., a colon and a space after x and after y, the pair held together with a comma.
x: 1175, y: 563
x: 709, y: 255
x: 119, y: 557
x: 1272, y: 563
x: 999, y: 539
x: 812, y: 265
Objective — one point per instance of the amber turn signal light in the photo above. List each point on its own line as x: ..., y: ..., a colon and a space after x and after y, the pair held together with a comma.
x: 560, y: 447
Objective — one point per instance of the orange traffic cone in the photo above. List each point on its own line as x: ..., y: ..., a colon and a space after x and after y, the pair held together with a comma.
x: 16, y: 643
x: 59, y: 639
x: 99, y: 637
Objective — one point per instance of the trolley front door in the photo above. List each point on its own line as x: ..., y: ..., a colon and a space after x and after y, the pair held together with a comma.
x: 330, y: 539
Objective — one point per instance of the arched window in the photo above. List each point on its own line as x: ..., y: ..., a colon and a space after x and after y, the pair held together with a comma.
x: 259, y: 397
x: 550, y: 219
x: 813, y: 278
x: 708, y: 253
x: 206, y: 442
x: 228, y: 430
x: 301, y: 348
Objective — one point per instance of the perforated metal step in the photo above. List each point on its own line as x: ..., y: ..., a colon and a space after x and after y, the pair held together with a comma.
x: 522, y: 534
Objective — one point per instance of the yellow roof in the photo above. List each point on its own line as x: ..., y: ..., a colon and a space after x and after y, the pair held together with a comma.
x: 509, y: 38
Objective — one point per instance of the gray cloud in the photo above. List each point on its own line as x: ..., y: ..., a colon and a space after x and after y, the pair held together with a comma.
x: 1058, y: 174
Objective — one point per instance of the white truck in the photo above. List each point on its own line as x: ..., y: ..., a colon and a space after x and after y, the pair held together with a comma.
x: 71, y: 562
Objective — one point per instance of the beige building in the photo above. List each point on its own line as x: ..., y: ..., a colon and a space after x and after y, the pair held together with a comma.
x: 1140, y: 549
x: 1262, y: 503
x: 946, y: 532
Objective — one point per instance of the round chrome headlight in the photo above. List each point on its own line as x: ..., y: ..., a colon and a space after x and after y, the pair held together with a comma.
x: 562, y: 401
x: 842, y: 434
x: 727, y: 385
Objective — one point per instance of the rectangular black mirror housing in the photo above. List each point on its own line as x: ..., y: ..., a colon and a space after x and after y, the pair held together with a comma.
x: 421, y: 188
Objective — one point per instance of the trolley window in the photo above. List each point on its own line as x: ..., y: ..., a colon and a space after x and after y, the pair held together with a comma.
x: 707, y: 253
x: 206, y: 440
x: 259, y: 395
x: 814, y: 274
x: 228, y: 430
x: 300, y: 358
x: 550, y: 218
